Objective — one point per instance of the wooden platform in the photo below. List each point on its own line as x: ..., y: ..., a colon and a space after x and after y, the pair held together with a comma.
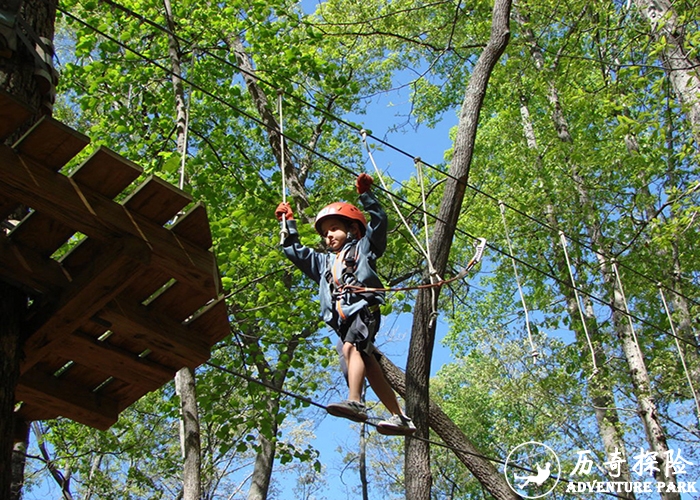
x: 123, y: 294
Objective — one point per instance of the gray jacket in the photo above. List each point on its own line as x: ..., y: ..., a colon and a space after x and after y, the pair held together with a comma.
x: 327, y: 267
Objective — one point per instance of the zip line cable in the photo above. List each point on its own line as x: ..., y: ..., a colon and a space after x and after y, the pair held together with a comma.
x: 385, y: 143
x: 347, y: 124
x: 332, y: 162
x: 446, y: 446
x: 447, y: 174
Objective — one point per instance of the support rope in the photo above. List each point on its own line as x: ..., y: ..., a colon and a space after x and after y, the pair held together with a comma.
x: 680, y: 351
x: 393, y: 202
x: 578, y: 303
x: 627, y: 309
x: 284, y: 232
x: 434, y: 278
x: 534, y: 353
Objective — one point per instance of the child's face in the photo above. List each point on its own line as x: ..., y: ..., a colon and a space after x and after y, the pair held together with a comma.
x: 334, y: 232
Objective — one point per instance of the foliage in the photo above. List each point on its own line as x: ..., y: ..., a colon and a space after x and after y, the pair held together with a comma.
x: 581, y: 133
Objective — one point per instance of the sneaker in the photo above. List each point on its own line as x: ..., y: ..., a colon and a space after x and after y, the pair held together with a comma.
x: 352, y: 410
x: 396, y: 425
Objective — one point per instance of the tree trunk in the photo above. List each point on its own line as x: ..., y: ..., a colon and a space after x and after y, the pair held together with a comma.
x: 648, y: 412
x: 417, y: 461
x: 681, y: 67
x: 185, y: 384
x: 12, y: 309
x: 294, y: 183
x: 265, y: 458
x: 18, y: 66
x: 21, y: 73
x: 19, y: 460
x: 600, y: 392
x: 484, y: 471
x: 363, y: 462
x: 189, y: 434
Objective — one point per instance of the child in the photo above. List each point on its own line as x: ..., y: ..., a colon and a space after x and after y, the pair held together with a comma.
x: 353, y: 248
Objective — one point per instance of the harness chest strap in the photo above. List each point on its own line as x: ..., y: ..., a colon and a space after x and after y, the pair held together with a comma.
x: 342, y: 271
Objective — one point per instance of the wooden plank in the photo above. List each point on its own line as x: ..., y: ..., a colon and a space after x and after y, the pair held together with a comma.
x: 124, y: 343
x: 162, y: 334
x: 51, y: 143
x: 88, y: 293
x: 124, y: 394
x: 106, y: 172
x: 81, y: 255
x: 22, y: 265
x: 7, y: 207
x: 178, y: 301
x: 30, y: 412
x: 119, y: 363
x: 194, y: 226
x: 13, y: 113
x: 42, y: 233
x: 146, y: 284
x: 98, y: 217
x: 157, y: 200
x: 211, y: 322
x: 68, y: 400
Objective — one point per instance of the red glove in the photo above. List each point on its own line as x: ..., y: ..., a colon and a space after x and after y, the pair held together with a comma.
x: 284, y: 209
x: 363, y: 183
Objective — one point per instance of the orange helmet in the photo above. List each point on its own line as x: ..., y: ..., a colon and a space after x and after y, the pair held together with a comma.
x: 344, y: 211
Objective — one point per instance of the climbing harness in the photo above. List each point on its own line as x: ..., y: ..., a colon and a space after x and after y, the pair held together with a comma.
x: 534, y: 353
x: 578, y: 303
x: 680, y: 351
x: 480, y: 246
x: 340, y: 274
x: 284, y: 231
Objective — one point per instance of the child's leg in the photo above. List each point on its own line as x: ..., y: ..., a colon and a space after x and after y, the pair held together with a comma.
x: 356, y: 371
x: 380, y: 385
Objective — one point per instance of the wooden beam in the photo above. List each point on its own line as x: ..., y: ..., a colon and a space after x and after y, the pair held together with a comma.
x: 106, y: 172
x: 112, y: 360
x: 101, y: 218
x: 67, y: 399
x: 194, y: 226
x: 157, y: 200
x: 96, y: 285
x: 13, y: 113
x: 30, y: 412
x: 161, y: 333
x: 28, y: 269
x: 51, y: 143
x: 211, y: 322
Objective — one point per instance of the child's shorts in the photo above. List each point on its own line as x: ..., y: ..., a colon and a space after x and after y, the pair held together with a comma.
x: 362, y: 329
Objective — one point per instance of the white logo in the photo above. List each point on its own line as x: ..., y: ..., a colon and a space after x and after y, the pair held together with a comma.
x: 532, y: 469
